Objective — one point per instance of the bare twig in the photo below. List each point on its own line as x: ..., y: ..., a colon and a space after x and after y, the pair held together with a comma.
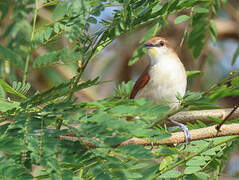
x: 226, y: 118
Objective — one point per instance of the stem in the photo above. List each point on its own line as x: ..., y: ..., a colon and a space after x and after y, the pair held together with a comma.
x: 32, y: 37
x: 78, y: 76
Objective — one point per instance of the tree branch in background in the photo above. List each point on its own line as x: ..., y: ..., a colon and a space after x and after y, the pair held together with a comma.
x: 203, y: 115
x: 227, y: 29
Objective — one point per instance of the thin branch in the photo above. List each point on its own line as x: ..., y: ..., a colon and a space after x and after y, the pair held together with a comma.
x: 197, y: 134
x: 203, y: 115
x: 226, y: 118
x: 32, y: 38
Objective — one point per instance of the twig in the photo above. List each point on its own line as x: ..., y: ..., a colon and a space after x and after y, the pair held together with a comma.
x: 226, y: 118
x: 32, y: 38
x: 197, y: 134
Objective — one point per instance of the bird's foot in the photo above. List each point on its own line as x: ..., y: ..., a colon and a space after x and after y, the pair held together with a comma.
x: 187, y: 134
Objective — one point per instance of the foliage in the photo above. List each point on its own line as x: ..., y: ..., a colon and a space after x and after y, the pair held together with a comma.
x: 34, y: 129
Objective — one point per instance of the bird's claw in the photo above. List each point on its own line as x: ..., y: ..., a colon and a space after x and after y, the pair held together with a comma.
x: 187, y: 134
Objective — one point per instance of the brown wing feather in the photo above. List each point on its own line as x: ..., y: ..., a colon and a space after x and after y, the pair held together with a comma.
x: 140, y: 83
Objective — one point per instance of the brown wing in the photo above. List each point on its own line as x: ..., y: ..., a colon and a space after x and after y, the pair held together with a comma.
x: 140, y: 83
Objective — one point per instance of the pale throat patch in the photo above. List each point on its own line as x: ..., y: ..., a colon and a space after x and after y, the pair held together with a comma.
x: 153, y: 52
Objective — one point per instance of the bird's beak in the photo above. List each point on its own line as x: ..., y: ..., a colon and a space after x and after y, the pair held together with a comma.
x: 147, y: 45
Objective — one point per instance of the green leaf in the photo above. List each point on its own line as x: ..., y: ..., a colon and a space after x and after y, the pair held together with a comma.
x: 50, y: 57
x: 133, y: 175
x: 235, y: 82
x: 196, y: 162
x: 165, y: 162
x: 217, y: 120
x: 56, y: 92
x: 167, y: 151
x: 192, y: 96
x: 224, y: 1
x: 200, y: 10
x: 8, y: 54
x: 123, y: 110
x: 92, y: 20
x: 7, y: 143
x: 192, y: 169
x: 156, y: 8
x: 139, y: 166
x: 5, y: 105
x: 60, y: 11
x: 137, y: 151
x: 47, y: 33
x: 213, y: 31
x: 123, y: 90
x: 197, y: 49
x: 210, y: 152
x: 56, y: 27
x: 2, y: 92
x: 235, y: 56
x: 181, y: 19
x: 171, y: 174
x: 9, y: 89
x: 20, y: 87
x: 193, y: 74
x: 201, y: 175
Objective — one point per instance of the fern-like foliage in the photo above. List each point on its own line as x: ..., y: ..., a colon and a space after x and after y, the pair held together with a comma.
x: 20, y: 87
x: 70, y: 139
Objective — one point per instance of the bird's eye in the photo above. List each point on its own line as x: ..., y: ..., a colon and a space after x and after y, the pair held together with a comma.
x: 161, y: 43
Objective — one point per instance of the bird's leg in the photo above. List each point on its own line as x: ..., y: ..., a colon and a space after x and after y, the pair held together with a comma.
x: 187, y: 134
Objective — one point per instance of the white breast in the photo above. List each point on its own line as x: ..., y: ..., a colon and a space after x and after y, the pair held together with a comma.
x: 167, y: 78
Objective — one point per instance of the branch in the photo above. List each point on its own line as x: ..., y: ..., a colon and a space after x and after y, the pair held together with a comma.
x: 226, y: 118
x: 188, y: 117
x: 203, y: 115
x: 197, y: 134
x: 227, y: 29
x: 176, y: 138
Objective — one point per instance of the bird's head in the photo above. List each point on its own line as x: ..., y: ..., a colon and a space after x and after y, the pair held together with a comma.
x: 158, y: 47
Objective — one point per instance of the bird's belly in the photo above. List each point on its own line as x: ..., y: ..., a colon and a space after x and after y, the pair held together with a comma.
x: 164, y: 88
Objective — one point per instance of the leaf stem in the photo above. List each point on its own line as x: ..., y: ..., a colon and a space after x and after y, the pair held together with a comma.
x: 32, y: 37
x: 78, y: 76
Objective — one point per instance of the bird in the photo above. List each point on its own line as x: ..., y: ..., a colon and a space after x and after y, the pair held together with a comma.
x: 163, y: 78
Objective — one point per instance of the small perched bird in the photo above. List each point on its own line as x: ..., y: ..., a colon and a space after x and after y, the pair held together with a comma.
x: 163, y: 78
